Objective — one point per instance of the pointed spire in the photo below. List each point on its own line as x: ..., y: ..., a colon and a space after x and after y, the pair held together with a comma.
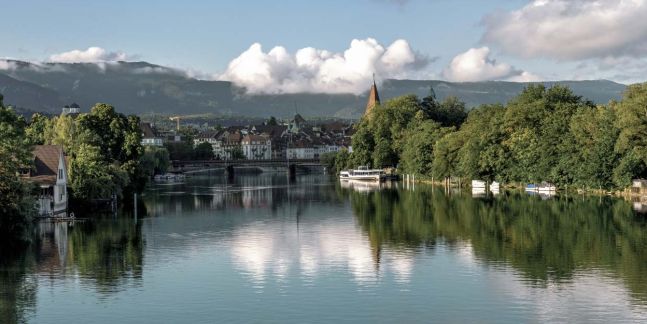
x: 373, y: 97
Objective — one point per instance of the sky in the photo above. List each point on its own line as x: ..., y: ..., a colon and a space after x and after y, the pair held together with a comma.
x: 336, y: 46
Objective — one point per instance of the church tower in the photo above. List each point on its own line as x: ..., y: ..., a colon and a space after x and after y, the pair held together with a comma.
x: 373, y: 98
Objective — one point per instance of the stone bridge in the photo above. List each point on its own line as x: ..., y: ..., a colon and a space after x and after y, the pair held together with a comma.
x: 228, y: 166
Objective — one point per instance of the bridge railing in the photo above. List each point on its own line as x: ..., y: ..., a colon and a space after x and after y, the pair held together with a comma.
x: 207, y: 163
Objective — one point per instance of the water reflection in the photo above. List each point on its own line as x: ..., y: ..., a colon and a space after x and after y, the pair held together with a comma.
x: 278, y: 242
x: 547, y: 242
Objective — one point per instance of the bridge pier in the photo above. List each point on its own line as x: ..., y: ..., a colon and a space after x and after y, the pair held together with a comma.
x: 230, y: 170
x: 292, y: 171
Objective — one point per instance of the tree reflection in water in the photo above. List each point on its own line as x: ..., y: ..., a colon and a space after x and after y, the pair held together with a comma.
x: 104, y: 254
x: 547, y: 241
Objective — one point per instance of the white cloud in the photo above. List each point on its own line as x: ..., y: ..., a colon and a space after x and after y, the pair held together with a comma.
x: 7, y: 65
x: 571, y: 29
x: 477, y: 65
x: 11, y: 64
x: 91, y: 55
x: 322, y: 71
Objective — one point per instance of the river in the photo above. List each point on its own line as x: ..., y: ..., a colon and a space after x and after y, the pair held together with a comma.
x: 262, y: 248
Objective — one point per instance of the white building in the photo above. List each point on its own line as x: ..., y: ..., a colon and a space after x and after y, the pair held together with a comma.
x: 72, y: 109
x: 256, y: 147
x: 148, y: 136
x: 50, y: 174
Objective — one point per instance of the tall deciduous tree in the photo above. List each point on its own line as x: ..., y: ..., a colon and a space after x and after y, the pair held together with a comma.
x: 16, y: 207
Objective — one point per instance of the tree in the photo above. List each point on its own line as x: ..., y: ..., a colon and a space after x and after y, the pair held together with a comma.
x: 446, y: 156
x: 180, y: 151
x: 418, y: 152
x: 272, y: 121
x: 155, y: 160
x: 631, y: 120
x: 363, y: 144
x: 91, y: 178
x: 594, y: 136
x: 237, y: 153
x: 380, y: 136
x: 65, y: 133
x: 203, y: 151
x: 39, y: 130
x: 16, y: 204
x: 536, y: 124
x: 483, y: 155
x: 451, y: 112
x: 106, y: 150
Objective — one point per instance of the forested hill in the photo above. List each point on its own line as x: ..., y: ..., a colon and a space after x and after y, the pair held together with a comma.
x: 140, y: 87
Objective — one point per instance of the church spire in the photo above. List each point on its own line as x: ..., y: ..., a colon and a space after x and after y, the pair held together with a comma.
x: 373, y: 97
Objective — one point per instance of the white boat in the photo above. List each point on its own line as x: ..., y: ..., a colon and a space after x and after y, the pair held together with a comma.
x: 478, y: 184
x: 363, y: 174
x: 495, y: 188
x: 547, y: 188
x: 544, y: 189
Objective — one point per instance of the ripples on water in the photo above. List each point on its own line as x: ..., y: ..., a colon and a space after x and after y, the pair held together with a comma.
x: 262, y: 249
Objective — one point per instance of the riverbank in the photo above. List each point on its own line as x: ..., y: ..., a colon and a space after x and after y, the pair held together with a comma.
x: 626, y: 193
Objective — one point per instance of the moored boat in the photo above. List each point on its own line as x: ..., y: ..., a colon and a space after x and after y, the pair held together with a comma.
x: 363, y: 174
x: 495, y: 187
x: 478, y: 184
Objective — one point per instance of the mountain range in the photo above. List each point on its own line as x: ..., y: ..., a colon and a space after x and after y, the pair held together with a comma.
x: 141, y: 87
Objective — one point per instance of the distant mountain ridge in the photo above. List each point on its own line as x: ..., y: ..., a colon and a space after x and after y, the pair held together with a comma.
x: 141, y: 87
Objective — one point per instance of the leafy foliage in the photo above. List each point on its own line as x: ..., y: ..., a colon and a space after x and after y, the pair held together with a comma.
x: 543, y: 134
x: 16, y: 205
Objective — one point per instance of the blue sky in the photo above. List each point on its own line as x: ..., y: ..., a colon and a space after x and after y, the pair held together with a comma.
x: 499, y: 39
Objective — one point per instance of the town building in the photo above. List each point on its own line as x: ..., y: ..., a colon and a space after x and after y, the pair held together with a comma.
x: 72, y: 109
x: 373, y: 99
x: 257, y: 147
x: 49, y: 172
x: 149, y: 137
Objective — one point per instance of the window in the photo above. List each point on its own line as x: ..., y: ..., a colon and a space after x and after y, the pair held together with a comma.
x: 60, y: 174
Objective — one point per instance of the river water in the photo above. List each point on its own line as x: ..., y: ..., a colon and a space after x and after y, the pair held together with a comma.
x: 262, y: 248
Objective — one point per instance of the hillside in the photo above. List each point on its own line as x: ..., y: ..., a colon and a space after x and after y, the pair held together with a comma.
x: 141, y: 87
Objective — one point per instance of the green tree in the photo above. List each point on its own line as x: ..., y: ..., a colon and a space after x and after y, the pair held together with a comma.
x: 594, y: 137
x: 445, y: 159
x: 16, y: 204
x: 155, y: 160
x: 64, y: 132
x: 631, y: 119
x: 418, y: 153
x: 180, y: 151
x: 450, y: 112
x: 39, y: 130
x: 483, y: 156
x: 203, y: 151
x: 237, y: 153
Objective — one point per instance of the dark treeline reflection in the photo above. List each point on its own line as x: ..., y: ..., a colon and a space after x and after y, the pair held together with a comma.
x: 545, y: 240
x: 106, y: 254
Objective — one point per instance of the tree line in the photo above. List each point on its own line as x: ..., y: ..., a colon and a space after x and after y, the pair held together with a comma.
x: 103, y: 149
x: 543, y: 134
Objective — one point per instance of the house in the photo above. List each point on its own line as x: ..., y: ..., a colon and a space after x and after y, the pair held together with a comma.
x: 257, y: 147
x: 50, y: 174
x: 301, y: 149
x: 149, y: 138
x: 72, y: 109
x: 639, y: 186
x: 296, y: 123
x: 224, y: 142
